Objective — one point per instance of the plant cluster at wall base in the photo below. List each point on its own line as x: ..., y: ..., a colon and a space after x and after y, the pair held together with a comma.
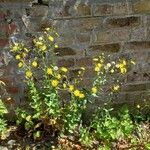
x: 60, y: 125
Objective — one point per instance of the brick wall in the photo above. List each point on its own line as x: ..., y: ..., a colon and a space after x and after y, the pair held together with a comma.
x: 86, y: 28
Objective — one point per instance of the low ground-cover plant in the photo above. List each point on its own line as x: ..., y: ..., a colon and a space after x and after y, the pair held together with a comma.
x: 47, y: 115
x: 3, y: 121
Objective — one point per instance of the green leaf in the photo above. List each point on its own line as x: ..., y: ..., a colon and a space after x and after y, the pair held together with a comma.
x: 28, y: 118
x: 37, y: 134
x: 147, y: 146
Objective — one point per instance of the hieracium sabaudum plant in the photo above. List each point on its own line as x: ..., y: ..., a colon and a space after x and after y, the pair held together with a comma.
x: 47, y: 113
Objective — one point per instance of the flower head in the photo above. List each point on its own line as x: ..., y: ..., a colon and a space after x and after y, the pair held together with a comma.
x: 51, y: 38
x: 34, y: 64
x: 76, y: 93
x: 64, y: 69
x: 94, y: 90
x: 81, y: 95
x: 18, y: 57
x: 49, y: 71
x: 71, y: 88
x: 54, y: 83
x: 28, y: 74
x: 116, y: 87
x: 20, y: 64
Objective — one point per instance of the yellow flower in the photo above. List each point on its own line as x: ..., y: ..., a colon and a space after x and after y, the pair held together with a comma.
x: 97, y: 69
x: 71, y: 88
x: 34, y: 64
x: 20, y: 64
x: 26, y: 49
x: 94, y: 90
x: 43, y: 47
x: 51, y: 38
x: 54, y: 83
x: 56, y: 46
x: 58, y: 76
x: 49, y: 71
x: 64, y: 69
x: 81, y: 95
x: 116, y: 87
x: 99, y: 65
x: 76, y: 93
x: 15, y: 47
x: 18, y: 57
x: 37, y: 43
x: 123, y: 70
x: 24, y: 55
x: 28, y: 74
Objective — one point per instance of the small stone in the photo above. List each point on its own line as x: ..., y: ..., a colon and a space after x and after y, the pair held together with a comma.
x: 3, y: 148
x: 11, y: 143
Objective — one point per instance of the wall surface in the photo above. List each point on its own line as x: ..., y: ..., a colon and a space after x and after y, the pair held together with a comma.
x: 86, y: 28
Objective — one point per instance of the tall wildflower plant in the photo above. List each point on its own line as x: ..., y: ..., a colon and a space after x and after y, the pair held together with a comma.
x: 44, y: 80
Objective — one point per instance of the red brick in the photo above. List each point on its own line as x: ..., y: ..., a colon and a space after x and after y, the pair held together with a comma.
x: 3, y: 42
x: 13, y: 89
x: 10, y: 28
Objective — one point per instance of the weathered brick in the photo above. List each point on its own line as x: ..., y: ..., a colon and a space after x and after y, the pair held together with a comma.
x: 66, y: 51
x: 85, y: 61
x: 38, y: 11
x: 122, y: 22
x: 134, y: 77
x: 66, y: 62
x: 138, y: 34
x: 2, y: 15
x: 141, y: 6
x: 136, y: 45
x: 83, y: 37
x: 110, y: 36
x: 102, y: 9
x: 106, y: 47
x: 83, y: 10
x: 122, y: 8
x: 86, y: 24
